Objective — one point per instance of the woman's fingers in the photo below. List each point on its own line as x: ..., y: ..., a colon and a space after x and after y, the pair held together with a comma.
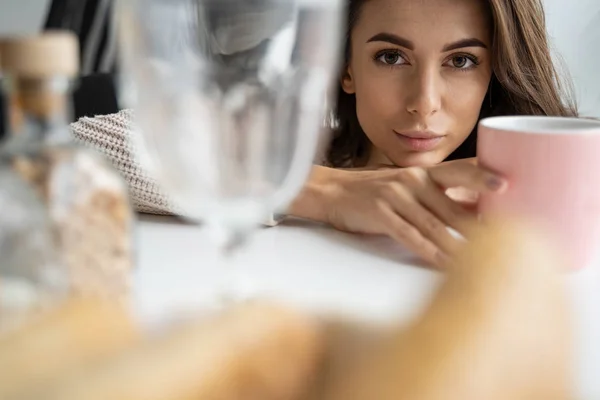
x: 411, y: 206
x: 407, y: 234
x: 468, y: 199
x: 467, y: 175
x: 407, y: 205
x: 449, y: 211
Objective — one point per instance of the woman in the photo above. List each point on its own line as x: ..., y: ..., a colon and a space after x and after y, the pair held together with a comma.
x: 418, y: 76
x: 417, y: 79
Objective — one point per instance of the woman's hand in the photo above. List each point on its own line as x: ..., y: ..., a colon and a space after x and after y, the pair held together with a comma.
x: 408, y: 204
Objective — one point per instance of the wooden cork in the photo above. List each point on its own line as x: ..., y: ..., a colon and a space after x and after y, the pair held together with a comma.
x: 39, y: 71
x: 48, y: 55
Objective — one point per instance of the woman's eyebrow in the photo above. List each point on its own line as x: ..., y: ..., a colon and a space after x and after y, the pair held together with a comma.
x: 470, y: 42
x: 403, y: 42
x: 393, y: 39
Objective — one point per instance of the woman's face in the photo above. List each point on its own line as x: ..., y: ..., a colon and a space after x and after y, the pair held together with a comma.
x: 420, y: 71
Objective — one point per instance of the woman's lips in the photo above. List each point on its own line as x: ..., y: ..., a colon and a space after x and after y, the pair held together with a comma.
x: 419, y: 141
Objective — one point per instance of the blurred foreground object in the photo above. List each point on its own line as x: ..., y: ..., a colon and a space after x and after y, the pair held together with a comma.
x: 498, y: 329
x: 86, y: 201
x: 567, y: 207
x: 230, y: 101
x: 31, y: 277
x: 253, y: 352
x: 46, y: 347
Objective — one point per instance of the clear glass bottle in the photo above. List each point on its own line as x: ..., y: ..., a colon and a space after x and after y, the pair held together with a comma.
x: 31, y: 276
x: 86, y: 200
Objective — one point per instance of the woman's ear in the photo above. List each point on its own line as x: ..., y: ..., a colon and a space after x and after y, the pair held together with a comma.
x: 347, y: 81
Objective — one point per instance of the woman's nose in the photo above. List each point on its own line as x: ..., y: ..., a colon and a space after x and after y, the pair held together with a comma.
x: 424, y: 93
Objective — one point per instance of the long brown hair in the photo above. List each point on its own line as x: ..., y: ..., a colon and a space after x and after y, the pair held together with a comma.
x: 525, y: 80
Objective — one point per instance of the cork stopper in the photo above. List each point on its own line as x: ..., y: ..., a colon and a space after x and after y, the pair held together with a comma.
x: 44, y: 56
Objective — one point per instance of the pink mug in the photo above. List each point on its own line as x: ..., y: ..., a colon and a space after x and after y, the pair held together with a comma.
x: 553, y: 168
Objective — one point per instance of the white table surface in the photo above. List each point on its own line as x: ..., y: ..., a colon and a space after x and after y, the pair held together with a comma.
x: 319, y: 269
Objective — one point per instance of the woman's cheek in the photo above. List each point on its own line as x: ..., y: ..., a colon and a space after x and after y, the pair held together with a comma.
x: 379, y: 100
x: 465, y: 101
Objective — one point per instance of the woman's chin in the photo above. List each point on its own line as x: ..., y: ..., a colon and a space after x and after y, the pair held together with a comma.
x: 418, y: 159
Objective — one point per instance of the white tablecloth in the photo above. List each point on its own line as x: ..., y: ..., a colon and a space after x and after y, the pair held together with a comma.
x: 322, y: 270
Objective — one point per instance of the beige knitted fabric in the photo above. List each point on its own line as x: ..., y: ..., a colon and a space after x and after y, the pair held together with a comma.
x: 111, y: 135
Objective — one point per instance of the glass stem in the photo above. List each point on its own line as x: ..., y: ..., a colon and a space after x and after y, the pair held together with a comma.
x: 235, y: 287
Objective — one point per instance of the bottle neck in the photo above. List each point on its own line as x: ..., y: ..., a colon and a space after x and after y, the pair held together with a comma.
x: 39, y: 108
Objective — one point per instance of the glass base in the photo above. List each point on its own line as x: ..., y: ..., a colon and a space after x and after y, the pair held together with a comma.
x: 237, y: 288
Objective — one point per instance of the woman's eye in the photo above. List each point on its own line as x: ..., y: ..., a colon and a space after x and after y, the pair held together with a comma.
x: 461, y: 62
x: 391, y: 58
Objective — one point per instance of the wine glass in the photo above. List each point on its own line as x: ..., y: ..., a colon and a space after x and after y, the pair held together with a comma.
x: 230, y: 98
